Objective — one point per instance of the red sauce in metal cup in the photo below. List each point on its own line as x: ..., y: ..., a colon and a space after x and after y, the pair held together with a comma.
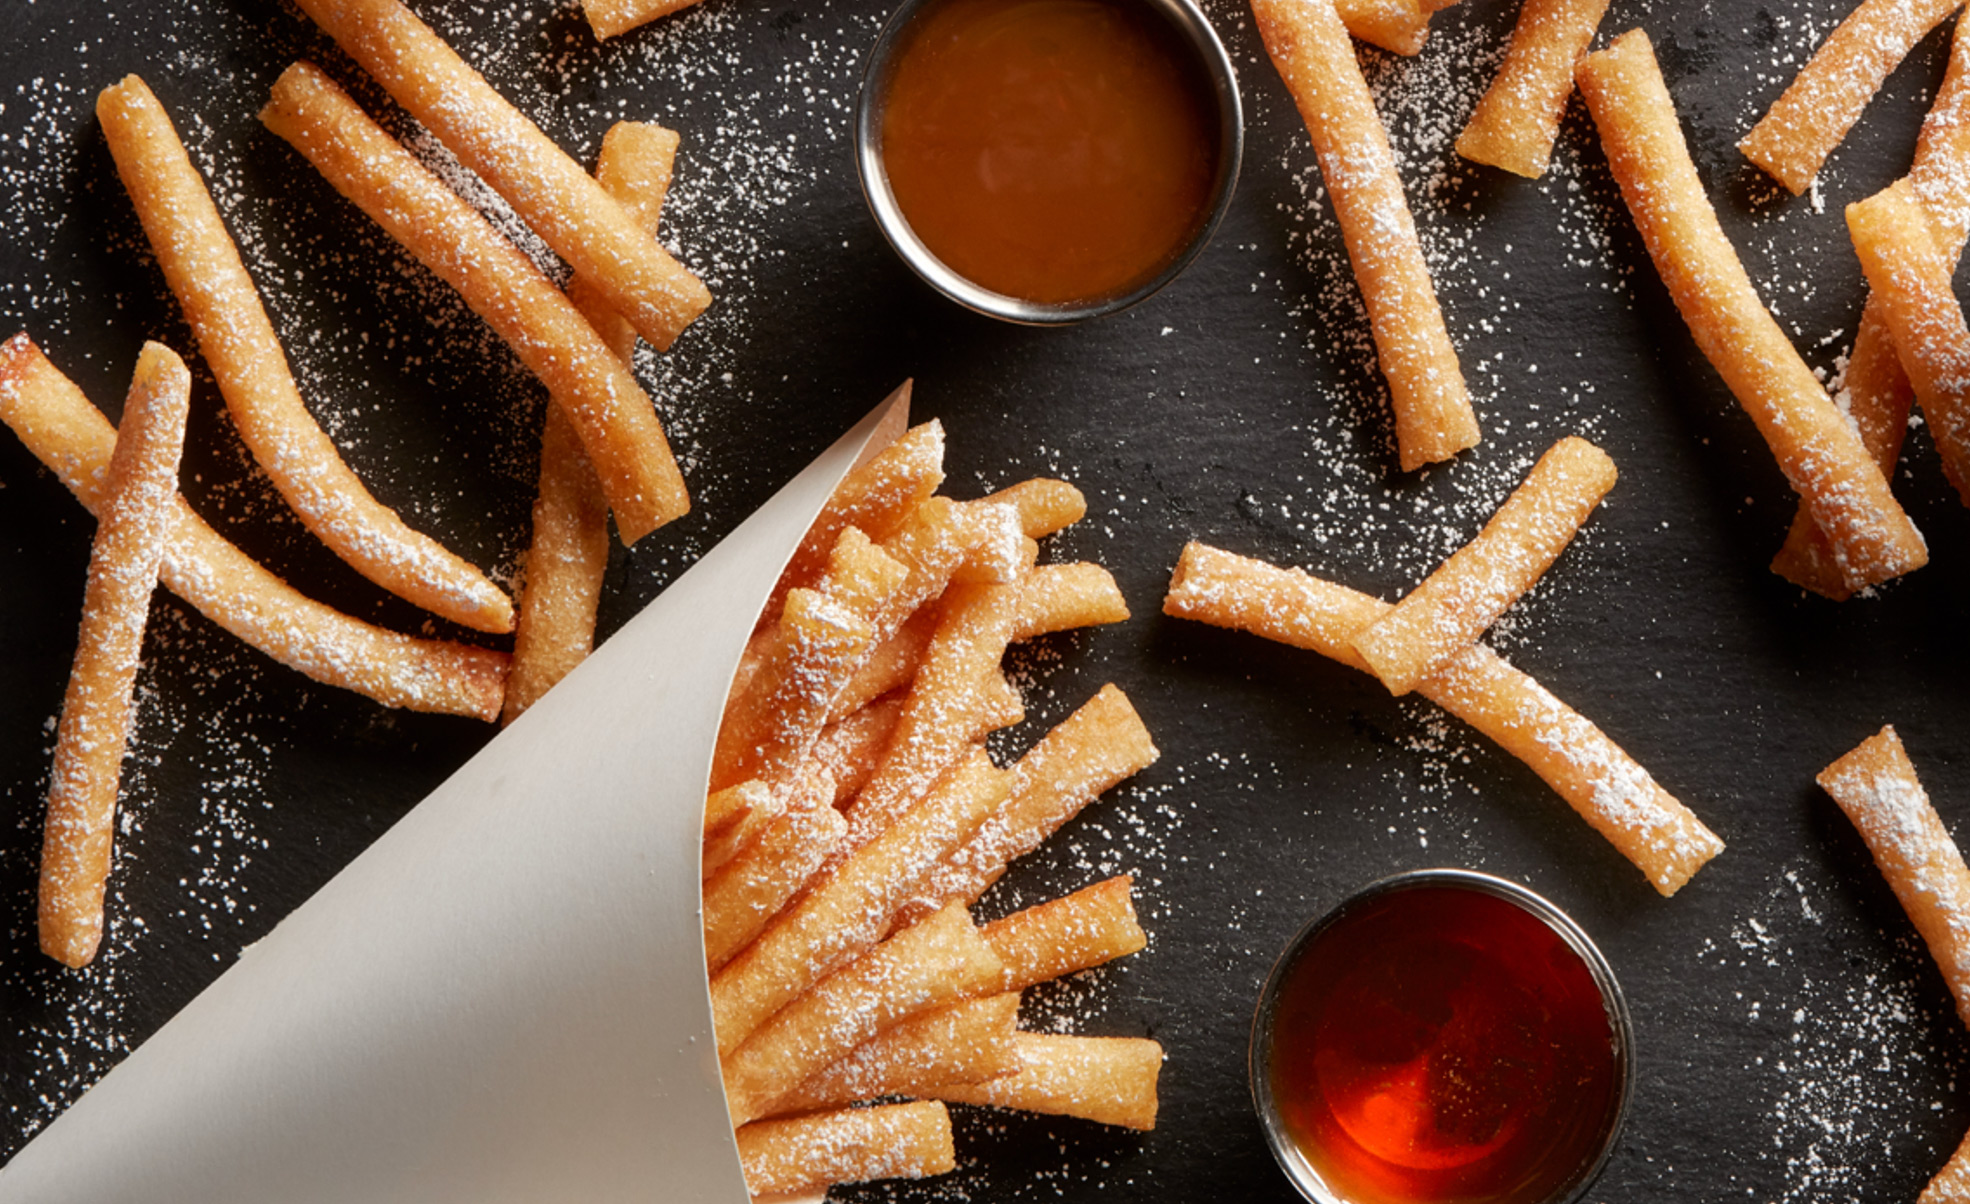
x: 1050, y: 150
x: 1435, y: 1043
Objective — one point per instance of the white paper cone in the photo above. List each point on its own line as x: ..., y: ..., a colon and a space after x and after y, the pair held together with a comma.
x: 504, y: 998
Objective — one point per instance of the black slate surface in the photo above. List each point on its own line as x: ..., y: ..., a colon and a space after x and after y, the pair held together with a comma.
x: 1795, y: 1043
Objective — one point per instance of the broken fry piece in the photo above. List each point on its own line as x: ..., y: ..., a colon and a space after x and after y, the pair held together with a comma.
x: 1397, y: 26
x: 202, y: 266
x: 812, y: 1153
x: 1876, y: 786
x: 750, y: 890
x: 1911, y: 275
x: 1466, y: 594
x: 95, y: 725
x: 1822, y: 102
x: 1613, y: 793
x: 1111, y: 1080
x: 1871, y: 537
x: 70, y: 435
x: 615, y: 417
x: 564, y: 204
x: 1518, y: 118
x: 1433, y: 417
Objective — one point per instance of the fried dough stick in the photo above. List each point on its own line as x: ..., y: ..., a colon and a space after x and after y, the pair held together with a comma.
x: 203, y: 268
x: 1397, y: 26
x: 615, y: 417
x: 564, y: 204
x: 1822, y: 102
x: 811, y: 1153
x: 71, y: 436
x: 95, y: 723
x: 1877, y: 787
x: 1876, y: 391
x: 1433, y: 417
x: 1872, y: 538
x: 1455, y: 604
x: 1616, y: 796
x: 569, y: 554
x: 1911, y: 275
x: 1107, y: 1079
x: 1518, y: 118
x: 966, y: 1042
x: 611, y: 17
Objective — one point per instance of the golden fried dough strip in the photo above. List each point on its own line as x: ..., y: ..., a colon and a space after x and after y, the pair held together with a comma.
x: 1044, y: 505
x: 1875, y: 391
x: 611, y: 17
x: 1085, y: 755
x: 811, y: 1153
x: 770, y: 729
x: 1951, y: 1184
x: 891, y: 666
x: 938, y: 722
x: 1455, y: 604
x: 69, y: 435
x: 203, y: 268
x: 1517, y: 120
x: 1061, y: 597
x: 1088, y: 928
x: 880, y: 497
x: 851, y: 906
x: 1822, y: 102
x: 1616, y: 796
x: 1433, y: 418
x: 615, y: 417
x: 1397, y: 26
x: 570, y: 550
x: 1876, y: 786
x: 564, y: 568
x: 1911, y: 275
x: 1002, y: 552
x: 96, y: 719
x: 925, y: 966
x: 734, y: 818
x: 1107, y: 1079
x: 1817, y: 450
x: 967, y: 1042
x: 851, y: 747
x: 744, y: 896
x: 564, y: 204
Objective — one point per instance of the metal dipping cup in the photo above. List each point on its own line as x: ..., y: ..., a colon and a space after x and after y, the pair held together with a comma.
x: 1196, y: 33
x: 1299, y: 1170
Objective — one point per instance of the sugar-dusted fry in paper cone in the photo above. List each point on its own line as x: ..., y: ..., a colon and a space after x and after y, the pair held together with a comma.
x: 70, y: 435
x: 1433, y: 416
x: 745, y: 895
x: 851, y: 747
x: 966, y: 1042
x: 734, y: 818
x: 1090, y: 927
x: 1456, y: 604
x: 236, y: 338
x: 939, y: 961
x: 564, y: 204
x: 615, y: 417
x: 1608, y: 789
x: 1518, y: 118
x: 1045, y: 505
x: 845, y: 912
x: 96, y: 709
x: 1871, y: 537
x: 1061, y: 597
x: 609, y: 18
x: 1822, y: 102
x: 1107, y: 1079
x: 1876, y: 786
x: 811, y: 1153
x: 1911, y: 275
x: 773, y: 726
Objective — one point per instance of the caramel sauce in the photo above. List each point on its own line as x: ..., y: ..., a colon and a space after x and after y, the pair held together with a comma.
x: 1050, y: 150
x: 1443, y: 1045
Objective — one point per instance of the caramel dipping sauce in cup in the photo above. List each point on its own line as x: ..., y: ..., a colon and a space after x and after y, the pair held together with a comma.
x: 1441, y: 1036
x: 1045, y: 161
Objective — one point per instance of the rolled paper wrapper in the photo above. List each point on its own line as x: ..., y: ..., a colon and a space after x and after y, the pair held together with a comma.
x: 504, y: 997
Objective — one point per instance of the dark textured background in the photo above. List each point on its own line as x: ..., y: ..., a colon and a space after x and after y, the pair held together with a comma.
x: 1795, y: 1043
